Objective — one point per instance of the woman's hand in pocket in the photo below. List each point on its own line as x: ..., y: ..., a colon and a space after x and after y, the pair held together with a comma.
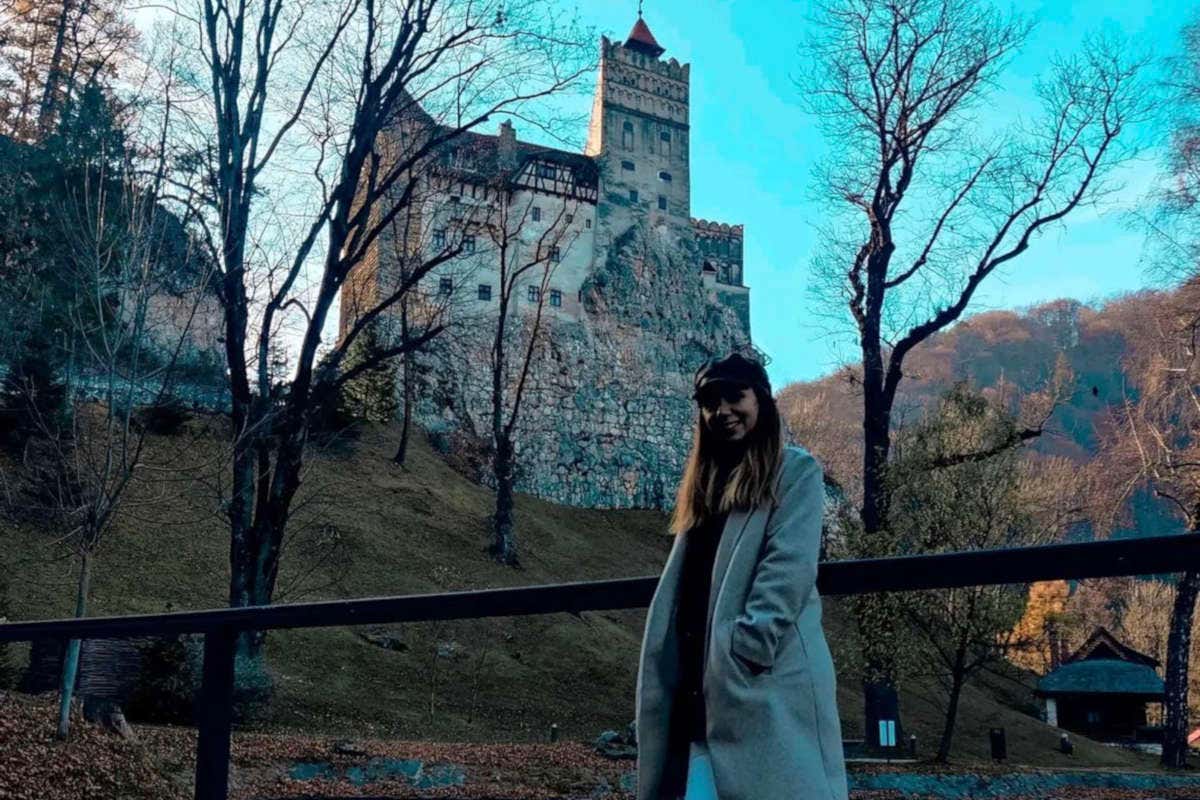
x: 754, y: 667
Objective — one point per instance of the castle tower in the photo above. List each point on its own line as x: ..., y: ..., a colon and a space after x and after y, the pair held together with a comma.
x: 639, y: 136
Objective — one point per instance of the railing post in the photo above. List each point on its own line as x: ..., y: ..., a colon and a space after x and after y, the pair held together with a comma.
x: 215, y: 716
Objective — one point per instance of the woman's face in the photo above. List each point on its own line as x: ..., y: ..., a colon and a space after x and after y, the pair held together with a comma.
x: 728, y: 411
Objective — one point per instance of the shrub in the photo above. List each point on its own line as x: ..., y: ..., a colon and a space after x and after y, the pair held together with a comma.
x: 169, y: 683
x: 165, y: 417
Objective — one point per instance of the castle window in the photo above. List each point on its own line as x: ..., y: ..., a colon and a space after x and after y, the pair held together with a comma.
x: 581, y: 295
x: 664, y: 145
x: 664, y: 176
x: 555, y: 297
x: 627, y: 135
x: 627, y: 165
x: 662, y: 203
x: 633, y: 195
x: 485, y: 291
x: 468, y: 243
x: 587, y: 223
x: 532, y: 293
x: 439, y: 238
x: 570, y: 218
x: 555, y: 254
x: 445, y: 286
x: 537, y: 213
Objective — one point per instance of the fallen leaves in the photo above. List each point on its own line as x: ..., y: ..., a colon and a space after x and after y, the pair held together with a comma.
x: 96, y: 765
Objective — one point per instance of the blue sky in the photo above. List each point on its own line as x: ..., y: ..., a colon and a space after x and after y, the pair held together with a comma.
x: 754, y: 148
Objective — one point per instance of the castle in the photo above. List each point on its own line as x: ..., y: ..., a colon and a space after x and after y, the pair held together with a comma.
x: 632, y: 292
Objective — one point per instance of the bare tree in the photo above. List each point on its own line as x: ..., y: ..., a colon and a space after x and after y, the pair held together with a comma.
x: 1150, y: 441
x: 434, y: 225
x: 527, y: 255
x: 1155, y: 429
x: 1173, y: 213
x: 122, y: 349
x: 919, y: 215
x: 366, y: 95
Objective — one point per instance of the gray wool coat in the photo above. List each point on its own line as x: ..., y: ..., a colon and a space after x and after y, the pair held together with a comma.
x: 774, y: 735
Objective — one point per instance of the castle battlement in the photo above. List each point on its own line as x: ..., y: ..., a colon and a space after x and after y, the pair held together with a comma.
x: 706, y: 228
x: 670, y: 69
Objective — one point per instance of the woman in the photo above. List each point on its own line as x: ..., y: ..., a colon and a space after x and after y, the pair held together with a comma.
x: 736, y: 693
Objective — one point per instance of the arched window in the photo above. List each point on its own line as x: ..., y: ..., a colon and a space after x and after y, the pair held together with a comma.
x: 627, y: 135
x: 664, y: 143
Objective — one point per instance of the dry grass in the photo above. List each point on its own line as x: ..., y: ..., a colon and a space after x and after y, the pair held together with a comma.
x: 423, y: 528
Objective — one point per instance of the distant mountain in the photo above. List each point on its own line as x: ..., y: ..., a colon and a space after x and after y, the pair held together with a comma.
x: 1008, y: 354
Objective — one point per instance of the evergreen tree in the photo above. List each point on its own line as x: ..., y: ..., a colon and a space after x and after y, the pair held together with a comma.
x: 50, y: 187
x: 371, y: 394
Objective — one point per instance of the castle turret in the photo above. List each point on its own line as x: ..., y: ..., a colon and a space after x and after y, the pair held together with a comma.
x: 639, y: 135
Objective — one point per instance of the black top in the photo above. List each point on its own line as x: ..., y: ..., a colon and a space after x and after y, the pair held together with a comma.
x: 690, y: 618
x: 688, y: 716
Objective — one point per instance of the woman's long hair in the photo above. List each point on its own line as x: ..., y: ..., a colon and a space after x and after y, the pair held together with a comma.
x: 750, y: 483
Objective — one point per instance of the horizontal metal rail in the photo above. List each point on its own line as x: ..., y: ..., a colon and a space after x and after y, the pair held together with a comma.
x: 1146, y: 556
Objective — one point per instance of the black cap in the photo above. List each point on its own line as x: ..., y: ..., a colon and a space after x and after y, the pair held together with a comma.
x: 734, y: 368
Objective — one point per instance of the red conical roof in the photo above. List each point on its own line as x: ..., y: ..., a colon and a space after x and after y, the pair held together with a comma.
x: 642, y: 40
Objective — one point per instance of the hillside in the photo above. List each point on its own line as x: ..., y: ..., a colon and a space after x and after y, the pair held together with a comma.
x: 1008, y: 352
x: 369, y: 528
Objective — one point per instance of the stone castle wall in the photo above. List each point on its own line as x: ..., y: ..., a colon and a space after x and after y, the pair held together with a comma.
x: 607, y: 419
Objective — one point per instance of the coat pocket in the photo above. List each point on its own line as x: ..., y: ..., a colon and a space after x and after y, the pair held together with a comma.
x: 748, y: 669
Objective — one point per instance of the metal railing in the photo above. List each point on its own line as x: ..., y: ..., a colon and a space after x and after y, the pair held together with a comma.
x: 220, y: 627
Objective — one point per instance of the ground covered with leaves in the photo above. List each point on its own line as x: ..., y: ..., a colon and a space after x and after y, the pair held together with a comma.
x: 92, y: 763
x: 96, y: 764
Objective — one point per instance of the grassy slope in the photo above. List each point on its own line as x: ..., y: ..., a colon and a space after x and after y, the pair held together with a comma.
x: 423, y: 529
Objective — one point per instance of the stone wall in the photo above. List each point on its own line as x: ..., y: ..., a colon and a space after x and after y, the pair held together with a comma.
x: 606, y: 421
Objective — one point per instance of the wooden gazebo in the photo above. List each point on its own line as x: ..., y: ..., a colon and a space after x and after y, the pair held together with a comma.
x: 1101, y: 690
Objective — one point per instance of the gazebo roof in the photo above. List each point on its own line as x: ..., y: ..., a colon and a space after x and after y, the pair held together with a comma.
x: 1103, y: 644
x: 1102, y: 676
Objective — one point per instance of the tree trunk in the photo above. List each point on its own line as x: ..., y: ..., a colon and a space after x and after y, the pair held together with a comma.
x: 406, y: 419
x: 1175, y: 746
x: 70, y: 668
x: 881, y: 699
x: 503, y: 548
x: 54, y: 74
x: 957, y: 678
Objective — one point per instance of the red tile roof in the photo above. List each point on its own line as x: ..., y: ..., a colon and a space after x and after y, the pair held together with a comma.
x: 640, y: 38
